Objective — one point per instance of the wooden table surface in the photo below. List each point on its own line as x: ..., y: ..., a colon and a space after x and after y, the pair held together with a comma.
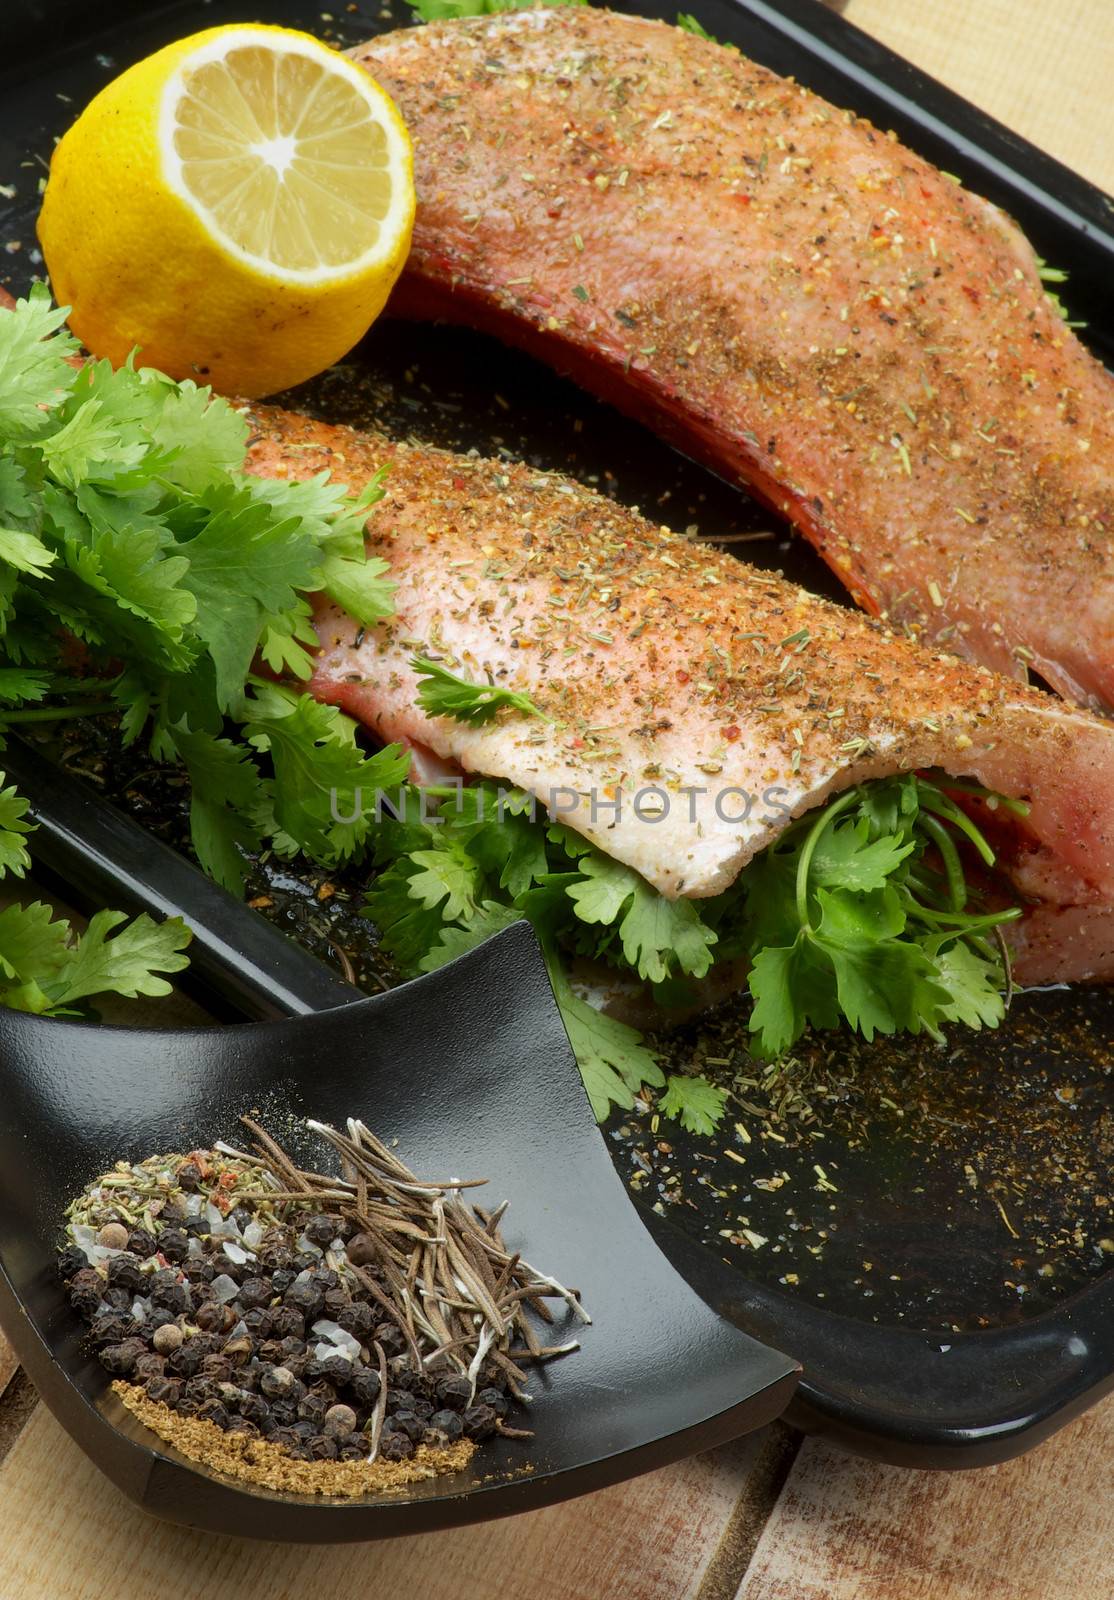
x: 774, y: 1517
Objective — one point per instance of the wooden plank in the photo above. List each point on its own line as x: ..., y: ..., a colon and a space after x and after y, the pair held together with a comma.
x: 8, y: 1363
x: 1044, y: 70
x: 67, y: 1533
x: 1040, y: 1528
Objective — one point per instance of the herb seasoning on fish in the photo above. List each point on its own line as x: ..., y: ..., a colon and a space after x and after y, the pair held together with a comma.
x: 313, y: 1333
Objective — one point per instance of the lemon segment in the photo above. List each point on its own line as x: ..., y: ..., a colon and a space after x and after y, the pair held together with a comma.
x: 238, y: 206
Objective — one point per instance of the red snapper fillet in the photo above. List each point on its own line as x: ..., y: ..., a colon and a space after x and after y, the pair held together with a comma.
x: 790, y: 295
x: 681, y: 682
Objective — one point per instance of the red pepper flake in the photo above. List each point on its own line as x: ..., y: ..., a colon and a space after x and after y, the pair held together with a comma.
x: 743, y: 199
x: 971, y: 292
x: 731, y: 732
x: 458, y: 483
x: 683, y: 677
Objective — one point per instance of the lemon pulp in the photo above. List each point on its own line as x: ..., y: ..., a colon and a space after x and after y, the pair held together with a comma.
x: 287, y: 159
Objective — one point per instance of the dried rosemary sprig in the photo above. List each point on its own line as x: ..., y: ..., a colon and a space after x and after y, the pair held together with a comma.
x: 459, y: 1297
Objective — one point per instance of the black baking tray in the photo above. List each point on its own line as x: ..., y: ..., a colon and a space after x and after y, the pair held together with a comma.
x: 915, y: 1394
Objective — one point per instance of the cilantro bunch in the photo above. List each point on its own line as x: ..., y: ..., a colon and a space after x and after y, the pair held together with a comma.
x: 136, y: 552
x: 860, y: 914
x: 48, y: 969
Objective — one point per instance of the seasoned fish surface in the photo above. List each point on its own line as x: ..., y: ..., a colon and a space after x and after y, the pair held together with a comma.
x: 791, y: 295
x: 680, y: 683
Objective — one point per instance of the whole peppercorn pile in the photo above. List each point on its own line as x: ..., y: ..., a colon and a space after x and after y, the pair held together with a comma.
x: 370, y: 1317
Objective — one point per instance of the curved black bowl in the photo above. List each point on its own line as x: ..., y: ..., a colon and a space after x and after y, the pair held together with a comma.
x: 471, y: 1071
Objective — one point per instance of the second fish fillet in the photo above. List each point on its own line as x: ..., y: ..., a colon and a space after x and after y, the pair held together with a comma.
x: 789, y: 294
x: 670, y: 670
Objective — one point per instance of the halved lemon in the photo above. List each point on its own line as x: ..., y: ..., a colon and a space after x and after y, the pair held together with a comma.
x: 238, y: 206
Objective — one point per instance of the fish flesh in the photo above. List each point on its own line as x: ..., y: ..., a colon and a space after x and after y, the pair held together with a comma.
x: 692, y: 704
x: 791, y: 296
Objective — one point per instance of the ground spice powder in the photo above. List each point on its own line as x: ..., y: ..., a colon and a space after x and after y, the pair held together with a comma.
x: 268, y: 1465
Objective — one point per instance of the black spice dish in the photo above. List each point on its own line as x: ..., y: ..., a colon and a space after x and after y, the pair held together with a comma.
x: 469, y: 1067
x: 915, y: 1393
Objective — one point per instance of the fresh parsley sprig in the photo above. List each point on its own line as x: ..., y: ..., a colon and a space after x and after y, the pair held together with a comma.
x: 128, y: 525
x: 442, y: 693
x: 860, y: 915
x: 45, y: 967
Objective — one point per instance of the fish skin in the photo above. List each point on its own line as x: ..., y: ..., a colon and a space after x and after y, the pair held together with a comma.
x: 718, y: 679
x: 790, y: 295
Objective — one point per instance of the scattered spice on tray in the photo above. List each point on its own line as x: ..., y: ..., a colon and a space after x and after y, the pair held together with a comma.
x: 313, y: 1333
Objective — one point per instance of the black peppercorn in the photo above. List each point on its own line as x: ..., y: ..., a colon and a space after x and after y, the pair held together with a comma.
x: 224, y: 1266
x: 391, y: 1338
x: 214, y: 1316
x: 72, y: 1261
x: 121, y: 1358
x: 287, y: 1322
x: 423, y: 1409
x: 200, y: 1389
x: 495, y: 1400
x: 305, y: 1297
x: 167, y: 1290
x: 352, y: 1449
x: 141, y: 1243
x: 356, y: 1319
x: 111, y: 1328
x: 282, y: 1278
x: 149, y: 1365
x: 284, y: 1413
x: 395, y: 1447
x: 259, y: 1323
x: 321, y: 1449
x: 188, y: 1176
x: 274, y: 1259
x: 336, y: 1369
x: 174, y: 1244
x: 445, y: 1424
x: 163, y: 1390
x: 196, y: 1227
x: 336, y: 1301
x: 363, y: 1386
x: 406, y: 1422
x: 254, y: 1293
x: 256, y: 1409
x: 453, y: 1393
x: 124, y: 1272
x: 479, y: 1422
x: 305, y: 1261
x: 312, y: 1408
x: 215, y: 1412
x: 119, y: 1298
x: 217, y: 1367
x: 321, y: 1230
x: 86, y: 1292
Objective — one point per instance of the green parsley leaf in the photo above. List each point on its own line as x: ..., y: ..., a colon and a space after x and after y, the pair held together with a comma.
x: 224, y: 789
x: 447, y: 881
x: 324, y: 785
x: 489, y: 918
x: 34, y: 365
x: 693, y: 1102
x: 129, y: 963
x: 614, y: 1061
x: 244, y: 566
x: 13, y: 831
x: 442, y: 694
x: 654, y: 931
x: 441, y: 10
